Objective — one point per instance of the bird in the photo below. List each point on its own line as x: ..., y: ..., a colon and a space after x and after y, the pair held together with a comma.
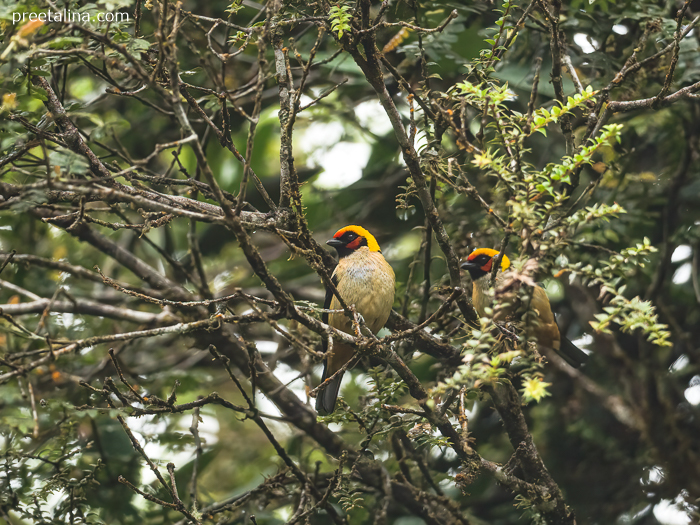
x: 363, y: 279
x: 479, y: 264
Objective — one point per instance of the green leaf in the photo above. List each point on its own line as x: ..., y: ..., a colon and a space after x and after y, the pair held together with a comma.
x: 39, y: 93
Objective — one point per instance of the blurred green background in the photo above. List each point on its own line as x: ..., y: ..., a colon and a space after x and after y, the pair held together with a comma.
x: 352, y: 172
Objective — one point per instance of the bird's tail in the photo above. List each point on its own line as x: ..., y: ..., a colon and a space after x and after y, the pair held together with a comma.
x: 572, y: 354
x: 325, y: 400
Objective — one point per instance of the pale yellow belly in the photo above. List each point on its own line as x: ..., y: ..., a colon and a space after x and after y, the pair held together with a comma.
x: 372, y: 294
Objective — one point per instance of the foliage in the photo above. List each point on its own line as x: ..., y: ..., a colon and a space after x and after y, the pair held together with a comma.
x: 340, y: 17
x: 168, y: 175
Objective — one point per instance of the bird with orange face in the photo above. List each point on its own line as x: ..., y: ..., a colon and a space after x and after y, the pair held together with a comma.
x: 363, y: 279
x: 479, y: 264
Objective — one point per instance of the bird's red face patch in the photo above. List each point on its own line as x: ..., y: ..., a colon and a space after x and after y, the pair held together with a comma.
x: 486, y: 256
x: 353, y: 245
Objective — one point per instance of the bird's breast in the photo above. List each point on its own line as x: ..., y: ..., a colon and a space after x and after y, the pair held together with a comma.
x: 366, y: 281
x: 480, y: 295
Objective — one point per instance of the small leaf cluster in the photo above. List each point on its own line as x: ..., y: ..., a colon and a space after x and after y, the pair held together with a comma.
x: 628, y: 314
x: 504, y: 156
x: 595, y: 212
x: 349, y: 498
x: 484, y: 94
x: 32, y: 478
x: 239, y: 36
x: 543, y: 116
x: 234, y: 7
x: 340, y: 18
x: 535, y: 389
x: 482, y: 339
x: 562, y: 172
x: 481, y: 364
x: 490, y: 55
x: 385, y: 386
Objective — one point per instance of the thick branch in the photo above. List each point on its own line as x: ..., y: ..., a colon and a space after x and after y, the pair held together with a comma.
x: 370, y: 67
x: 507, y: 402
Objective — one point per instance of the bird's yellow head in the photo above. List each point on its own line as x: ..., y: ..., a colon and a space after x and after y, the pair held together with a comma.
x: 348, y: 239
x: 480, y: 262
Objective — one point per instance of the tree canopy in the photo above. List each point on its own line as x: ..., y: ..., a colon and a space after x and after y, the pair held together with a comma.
x: 169, y: 172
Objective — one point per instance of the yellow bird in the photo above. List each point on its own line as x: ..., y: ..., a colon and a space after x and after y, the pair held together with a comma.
x: 479, y: 264
x: 364, y: 279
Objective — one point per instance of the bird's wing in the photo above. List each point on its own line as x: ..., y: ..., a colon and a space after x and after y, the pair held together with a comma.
x: 568, y: 350
x: 540, y: 302
x: 326, y: 306
x: 325, y: 400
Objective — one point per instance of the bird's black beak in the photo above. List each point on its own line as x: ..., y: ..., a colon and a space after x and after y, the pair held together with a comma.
x: 475, y: 271
x: 336, y: 243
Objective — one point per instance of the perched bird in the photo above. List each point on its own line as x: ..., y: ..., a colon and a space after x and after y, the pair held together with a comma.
x: 364, y: 279
x: 479, y: 264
